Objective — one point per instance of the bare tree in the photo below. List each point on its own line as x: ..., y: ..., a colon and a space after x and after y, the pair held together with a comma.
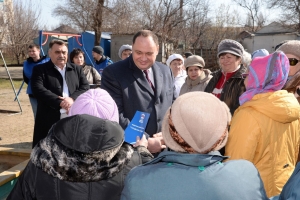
x: 255, y: 19
x: 197, y: 24
x: 223, y: 27
x: 3, y: 22
x: 22, y: 25
x: 121, y: 17
x: 84, y: 14
x: 291, y: 11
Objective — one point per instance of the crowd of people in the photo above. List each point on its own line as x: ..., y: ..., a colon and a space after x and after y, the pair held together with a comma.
x: 229, y: 134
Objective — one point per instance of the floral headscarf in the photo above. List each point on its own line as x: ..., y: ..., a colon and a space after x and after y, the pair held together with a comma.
x: 266, y: 74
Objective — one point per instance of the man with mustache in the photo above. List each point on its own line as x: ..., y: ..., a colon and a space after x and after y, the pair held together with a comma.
x: 56, y: 84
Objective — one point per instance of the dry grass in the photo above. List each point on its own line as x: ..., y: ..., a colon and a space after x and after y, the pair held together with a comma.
x: 6, y: 84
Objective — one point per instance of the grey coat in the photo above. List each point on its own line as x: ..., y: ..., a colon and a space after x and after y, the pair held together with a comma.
x: 127, y: 85
x: 193, y: 176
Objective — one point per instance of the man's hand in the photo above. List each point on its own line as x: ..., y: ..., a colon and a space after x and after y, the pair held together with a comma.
x: 156, y: 144
x: 66, y: 102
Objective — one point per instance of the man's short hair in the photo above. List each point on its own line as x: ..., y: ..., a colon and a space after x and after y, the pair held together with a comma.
x: 31, y: 46
x: 58, y: 42
x: 146, y: 33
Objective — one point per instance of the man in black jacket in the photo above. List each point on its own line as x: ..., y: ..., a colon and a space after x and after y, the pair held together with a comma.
x: 55, y: 84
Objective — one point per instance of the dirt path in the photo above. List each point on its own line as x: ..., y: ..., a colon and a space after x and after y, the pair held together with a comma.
x: 16, y: 130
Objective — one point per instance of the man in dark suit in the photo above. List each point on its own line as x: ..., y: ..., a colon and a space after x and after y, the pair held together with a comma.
x: 55, y: 84
x: 140, y: 83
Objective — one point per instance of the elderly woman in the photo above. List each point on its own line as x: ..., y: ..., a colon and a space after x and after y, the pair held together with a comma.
x: 194, y: 169
x: 84, y: 155
x: 198, y: 77
x: 292, y: 50
x: 265, y: 128
x: 93, y: 77
x: 175, y: 62
x: 227, y: 83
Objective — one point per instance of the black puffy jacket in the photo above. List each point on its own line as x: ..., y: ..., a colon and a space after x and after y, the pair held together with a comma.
x: 82, y: 158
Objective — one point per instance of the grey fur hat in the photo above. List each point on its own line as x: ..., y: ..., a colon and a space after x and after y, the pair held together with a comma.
x: 124, y: 47
x: 230, y: 46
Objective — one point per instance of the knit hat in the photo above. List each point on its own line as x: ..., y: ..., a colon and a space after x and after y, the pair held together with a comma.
x: 96, y: 102
x: 174, y: 57
x: 259, y: 53
x: 98, y: 50
x: 197, y: 122
x: 187, y: 54
x: 124, y: 47
x: 194, y: 61
x: 230, y: 46
x: 291, y: 47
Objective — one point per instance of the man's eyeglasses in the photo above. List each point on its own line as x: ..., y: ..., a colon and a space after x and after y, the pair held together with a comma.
x: 293, y: 61
x: 244, y: 75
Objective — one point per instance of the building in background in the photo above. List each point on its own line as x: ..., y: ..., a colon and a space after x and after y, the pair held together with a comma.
x: 267, y: 37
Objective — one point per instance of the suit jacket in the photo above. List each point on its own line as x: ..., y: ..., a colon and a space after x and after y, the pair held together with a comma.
x: 127, y: 85
x: 47, y: 85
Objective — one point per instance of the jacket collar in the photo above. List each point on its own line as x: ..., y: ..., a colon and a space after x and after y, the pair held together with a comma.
x: 189, y: 159
x: 237, y: 74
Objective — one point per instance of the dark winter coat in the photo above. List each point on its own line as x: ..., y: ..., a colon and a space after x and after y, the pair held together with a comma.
x: 232, y: 90
x: 47, y: 85
x: 128, y: 86
x: 83, y: 157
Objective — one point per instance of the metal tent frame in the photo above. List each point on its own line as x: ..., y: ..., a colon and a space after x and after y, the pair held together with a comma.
x: 13, y: 87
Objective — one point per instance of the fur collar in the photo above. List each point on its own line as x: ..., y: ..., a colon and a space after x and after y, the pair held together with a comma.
x: 69, y: 165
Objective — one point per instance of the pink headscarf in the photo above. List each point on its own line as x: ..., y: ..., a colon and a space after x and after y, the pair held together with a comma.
x: 266, y: 74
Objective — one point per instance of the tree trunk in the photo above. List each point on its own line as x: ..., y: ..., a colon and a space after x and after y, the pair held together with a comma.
x: 98, y: 21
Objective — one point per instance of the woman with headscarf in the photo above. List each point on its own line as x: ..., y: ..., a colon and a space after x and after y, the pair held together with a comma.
x: 197, y: 77
x: 84, y: 155
x: 194, y: 128
x: 265, y: 128
x: 227, y: 83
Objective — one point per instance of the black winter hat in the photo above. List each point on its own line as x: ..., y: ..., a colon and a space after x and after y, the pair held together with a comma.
x: 98, y: 50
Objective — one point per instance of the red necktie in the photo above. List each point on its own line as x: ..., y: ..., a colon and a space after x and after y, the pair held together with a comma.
x: 148, y: 79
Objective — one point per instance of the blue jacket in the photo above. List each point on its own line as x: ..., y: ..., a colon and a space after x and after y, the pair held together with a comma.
x: 27, y: 70
x: 291, y: 190
x: 180, y: 176
x: 99, y: 66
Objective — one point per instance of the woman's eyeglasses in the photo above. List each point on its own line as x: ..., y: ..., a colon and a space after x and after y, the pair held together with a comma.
x: 293, y: 61
x: 244, y: 75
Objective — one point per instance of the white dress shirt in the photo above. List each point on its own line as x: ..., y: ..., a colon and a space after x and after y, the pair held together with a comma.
x: 65, y: 86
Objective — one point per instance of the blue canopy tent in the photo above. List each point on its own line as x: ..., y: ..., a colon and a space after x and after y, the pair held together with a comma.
x: 88, y: 39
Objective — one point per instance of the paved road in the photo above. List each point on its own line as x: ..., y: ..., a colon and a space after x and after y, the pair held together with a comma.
x: 15, y: 72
